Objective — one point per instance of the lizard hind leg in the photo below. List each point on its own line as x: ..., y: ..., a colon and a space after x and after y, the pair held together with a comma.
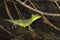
x: 34, y: 34
x: 30, y: 29
x: 13, y: 26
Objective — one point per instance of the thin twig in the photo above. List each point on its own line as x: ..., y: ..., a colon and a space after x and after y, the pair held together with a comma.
x: 7, y: 9
x: 53, y: 0
x: 18, y: 12
x: 57, y: 4
x: 5, y: 30
x: 25, y: 1
x: 10, y: 32
x: 32, y: 4
x: 45, y: 20
x: 38, y: 11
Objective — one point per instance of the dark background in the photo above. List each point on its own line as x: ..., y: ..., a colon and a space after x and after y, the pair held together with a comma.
x: 43, y: 5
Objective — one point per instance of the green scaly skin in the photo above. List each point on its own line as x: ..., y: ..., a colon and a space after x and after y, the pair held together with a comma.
x: 27, y: 22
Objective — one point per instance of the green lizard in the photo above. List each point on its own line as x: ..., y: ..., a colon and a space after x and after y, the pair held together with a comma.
x: 26, y: 22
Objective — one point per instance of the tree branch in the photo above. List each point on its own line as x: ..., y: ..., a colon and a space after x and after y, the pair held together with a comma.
x: 7, y: 9
x: 38, y: 11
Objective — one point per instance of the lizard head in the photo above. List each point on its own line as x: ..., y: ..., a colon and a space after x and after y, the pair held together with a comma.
x: 35, y: 17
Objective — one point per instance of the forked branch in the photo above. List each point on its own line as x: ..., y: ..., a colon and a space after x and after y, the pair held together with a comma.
x: 45, y: 20
x: 38, y: 11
